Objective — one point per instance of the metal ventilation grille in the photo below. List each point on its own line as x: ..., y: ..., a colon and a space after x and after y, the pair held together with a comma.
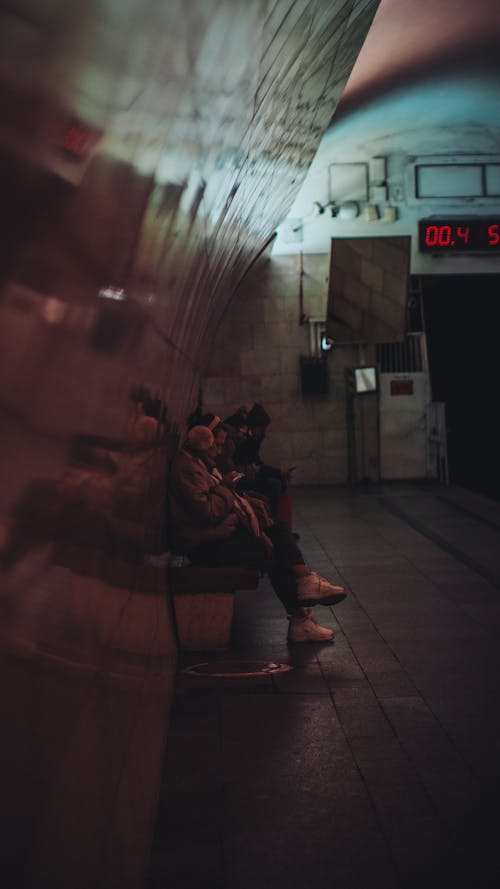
x: 405, y: 357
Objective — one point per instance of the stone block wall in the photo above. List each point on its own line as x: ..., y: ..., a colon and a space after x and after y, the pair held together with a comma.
x: 256, y: 357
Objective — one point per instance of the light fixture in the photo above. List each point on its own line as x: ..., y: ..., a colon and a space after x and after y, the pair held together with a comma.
x: 292, y: 230
x: 319, y: 340
x: 370, y: 213
x: 390, y: 214
x: 349, y: 210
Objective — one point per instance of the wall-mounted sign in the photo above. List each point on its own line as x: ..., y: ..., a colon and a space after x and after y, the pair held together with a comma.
x: 365, y: 380
x: 77, y: 140
x: 464, y: 235
x: 401, y: 387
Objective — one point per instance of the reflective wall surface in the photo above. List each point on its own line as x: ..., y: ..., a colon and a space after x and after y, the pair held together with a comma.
x: 147, y: 152
x: 86, y: 637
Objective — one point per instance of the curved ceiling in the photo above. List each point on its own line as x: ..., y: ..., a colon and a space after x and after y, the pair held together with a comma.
x: 411, y: 41
x: 184, y: 132
x: 425, y: 83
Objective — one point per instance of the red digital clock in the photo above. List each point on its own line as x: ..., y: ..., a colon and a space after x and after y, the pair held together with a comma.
x: 451, y: 235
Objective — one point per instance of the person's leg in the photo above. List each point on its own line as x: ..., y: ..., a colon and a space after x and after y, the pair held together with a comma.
x: 295, y: 585
x: 242, y: 548
x: 286, y: 566
x: 307, y: 587
x: 303, y: 626
x: 285, y: 544
x: 284, y: 510
x: 273, y: 489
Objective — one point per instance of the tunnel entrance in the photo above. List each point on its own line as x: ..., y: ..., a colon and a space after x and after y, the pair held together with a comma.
x: 461, y: 319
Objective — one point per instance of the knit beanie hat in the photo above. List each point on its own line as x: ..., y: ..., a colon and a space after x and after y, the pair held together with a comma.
x: 239, y: 418
x: 257, y: 416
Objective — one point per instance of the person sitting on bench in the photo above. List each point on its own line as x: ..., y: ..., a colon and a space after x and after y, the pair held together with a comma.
x: 259, y: 476
x: 215, y: 526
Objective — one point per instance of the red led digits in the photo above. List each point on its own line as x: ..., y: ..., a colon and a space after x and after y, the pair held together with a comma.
x: 438, y: 235
x: 458, y: 235
x: 431, y: 235
x: 493, y: 235
x: 444, y: 236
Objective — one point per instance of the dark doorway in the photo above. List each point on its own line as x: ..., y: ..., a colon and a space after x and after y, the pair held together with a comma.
x: 461, y: 319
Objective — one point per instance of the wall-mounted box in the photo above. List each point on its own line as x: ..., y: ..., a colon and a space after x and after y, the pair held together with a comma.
x: 313, y: 375
x: 378, y: 170
x: 348, y: 182
x: 378, y: 194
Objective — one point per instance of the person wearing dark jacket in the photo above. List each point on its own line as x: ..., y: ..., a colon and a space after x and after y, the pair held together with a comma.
x: 259, y: 476
x: 236, y: 427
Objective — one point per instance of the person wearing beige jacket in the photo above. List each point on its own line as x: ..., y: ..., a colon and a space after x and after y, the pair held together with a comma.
x: 213, y: 525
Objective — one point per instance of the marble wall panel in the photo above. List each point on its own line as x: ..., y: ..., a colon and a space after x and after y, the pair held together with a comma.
x: 372, y: 275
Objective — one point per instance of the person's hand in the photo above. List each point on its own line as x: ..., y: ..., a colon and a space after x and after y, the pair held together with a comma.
x: 232, y: 478
x: 251, y: 470
x: 286, y: 474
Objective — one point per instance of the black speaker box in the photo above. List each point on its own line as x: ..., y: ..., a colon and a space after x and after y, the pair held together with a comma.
x: 313, y: 375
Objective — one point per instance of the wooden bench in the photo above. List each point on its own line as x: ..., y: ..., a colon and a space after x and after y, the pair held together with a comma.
x: 203, y: 600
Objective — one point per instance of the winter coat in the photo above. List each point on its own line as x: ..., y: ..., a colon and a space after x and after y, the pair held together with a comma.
x: 199, y: 509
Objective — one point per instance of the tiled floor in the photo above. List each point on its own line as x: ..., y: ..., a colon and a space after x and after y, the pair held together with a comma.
x: 376, y: 760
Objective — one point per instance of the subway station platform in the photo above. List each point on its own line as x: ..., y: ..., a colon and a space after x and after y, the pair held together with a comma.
x: 375, y: 761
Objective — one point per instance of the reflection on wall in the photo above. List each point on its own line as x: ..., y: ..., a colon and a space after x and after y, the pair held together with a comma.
x: 148, y: 151
x: 87, y: 642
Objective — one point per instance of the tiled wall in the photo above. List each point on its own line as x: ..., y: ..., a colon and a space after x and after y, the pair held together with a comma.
x: 256, y: 357
x: 369, y: 286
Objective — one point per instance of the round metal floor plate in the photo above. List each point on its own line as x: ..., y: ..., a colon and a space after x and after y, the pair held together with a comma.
x: 237, y: 669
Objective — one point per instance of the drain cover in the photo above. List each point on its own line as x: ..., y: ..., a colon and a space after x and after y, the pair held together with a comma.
x: 237, y: 669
